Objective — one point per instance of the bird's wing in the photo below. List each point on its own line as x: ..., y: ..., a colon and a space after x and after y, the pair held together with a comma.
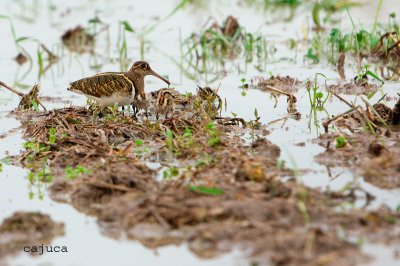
x: 103, y: 85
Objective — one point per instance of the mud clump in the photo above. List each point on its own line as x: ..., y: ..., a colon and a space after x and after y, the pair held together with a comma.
x: 384, y: 111
x: 27, y: 228
x: 376, y: 158
x: 287, y: 84
x: 21, y: 59
x: 78, y: 40
x: 111, y: 179
x: 358, y: 87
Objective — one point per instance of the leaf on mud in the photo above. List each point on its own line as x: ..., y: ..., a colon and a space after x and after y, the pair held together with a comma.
x: 207, y: 190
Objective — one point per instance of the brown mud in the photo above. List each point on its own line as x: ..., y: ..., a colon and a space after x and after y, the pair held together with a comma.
x: 284, y: 83
x: 219, y: 191
x: 357, y: 87
x: 27, y: 229
x: 366, y: 141
x: 375, y: 157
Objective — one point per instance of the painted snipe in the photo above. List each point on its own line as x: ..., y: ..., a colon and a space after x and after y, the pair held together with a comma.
x: 122, y: 88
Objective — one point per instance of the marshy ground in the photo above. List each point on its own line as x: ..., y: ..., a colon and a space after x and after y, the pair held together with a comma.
x: 282, y: 149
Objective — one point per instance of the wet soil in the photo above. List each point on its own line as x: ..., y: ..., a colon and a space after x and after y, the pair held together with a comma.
x: 284, y: 83
x: 375, y: 157
x: 354, y: 88
x: 219, y: 191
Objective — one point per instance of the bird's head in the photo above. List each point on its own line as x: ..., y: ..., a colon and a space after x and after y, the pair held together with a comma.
x: 143, y: 69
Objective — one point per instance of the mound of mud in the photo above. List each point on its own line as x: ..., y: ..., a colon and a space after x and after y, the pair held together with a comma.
x: 375, y: 157
x: 284, y: 83
x: 27, y: 229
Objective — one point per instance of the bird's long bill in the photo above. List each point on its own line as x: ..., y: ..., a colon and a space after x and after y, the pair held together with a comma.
x: 159, y: 76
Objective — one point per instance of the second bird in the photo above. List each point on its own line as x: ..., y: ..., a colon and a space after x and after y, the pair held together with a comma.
x: 122, y: 88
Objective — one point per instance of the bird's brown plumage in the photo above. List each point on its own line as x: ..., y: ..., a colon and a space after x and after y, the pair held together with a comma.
x: 104, y: 85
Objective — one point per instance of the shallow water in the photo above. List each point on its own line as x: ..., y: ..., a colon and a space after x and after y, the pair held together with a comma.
x: 83, y: 238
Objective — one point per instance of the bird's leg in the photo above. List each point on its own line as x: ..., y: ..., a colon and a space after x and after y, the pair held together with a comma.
x: 157, y: 116
x: 135, y: 110
x: 166, y: 115
x: 123, y: 109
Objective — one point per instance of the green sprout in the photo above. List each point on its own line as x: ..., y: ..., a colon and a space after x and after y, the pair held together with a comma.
x: 213, y: 133
x: 72, y: 173
x: 52, y: 135
x: 207, y: 190
x: 170, y: 173
x: 340, y: 142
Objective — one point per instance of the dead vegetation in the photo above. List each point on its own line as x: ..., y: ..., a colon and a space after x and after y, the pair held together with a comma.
x: 28, y: 101
x: 377, y: 118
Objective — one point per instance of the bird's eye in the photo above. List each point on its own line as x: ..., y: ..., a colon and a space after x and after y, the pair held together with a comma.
x: 144, y: 66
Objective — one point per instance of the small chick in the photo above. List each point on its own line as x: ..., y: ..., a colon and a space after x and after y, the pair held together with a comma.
x: 163, y: 101
x: 212, y: 102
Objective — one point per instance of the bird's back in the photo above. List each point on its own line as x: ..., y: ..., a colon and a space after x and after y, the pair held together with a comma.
x: 104, y: 85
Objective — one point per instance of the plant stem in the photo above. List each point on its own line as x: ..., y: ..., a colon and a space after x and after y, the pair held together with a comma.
x: 376, y: 16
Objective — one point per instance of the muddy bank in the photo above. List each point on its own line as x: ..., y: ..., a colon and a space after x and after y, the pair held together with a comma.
x: 375, y: 157
x: 27, y: 229
x: 218, y: 191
